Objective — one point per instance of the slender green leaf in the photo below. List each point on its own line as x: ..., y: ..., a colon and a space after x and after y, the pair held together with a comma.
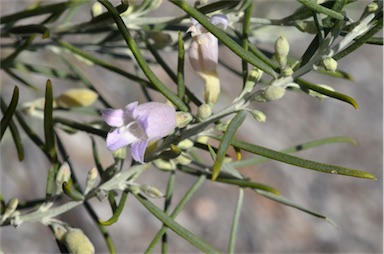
x: 306, y: 85
x: 294, y: 149
x: 118, y: 211
x: 9, y: 112
x: 230, y: 43
x: 176, y: 227
x: 226, y: 142
x: 321, y: 9
x: 34, y: 12
x: 12, y: 127
x: 235, y: 222
x: 288, y: 202
x: 296, y: 161
x: 49, y: 133
x: 180, y: 67
x: 161, y: 87
x: 167, y: 206
x: 30, y: 29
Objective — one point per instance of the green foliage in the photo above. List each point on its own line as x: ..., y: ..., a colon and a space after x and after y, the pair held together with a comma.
x: 131, y: 29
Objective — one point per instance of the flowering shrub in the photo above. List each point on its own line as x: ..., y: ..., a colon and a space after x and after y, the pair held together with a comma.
x: 168, y: 128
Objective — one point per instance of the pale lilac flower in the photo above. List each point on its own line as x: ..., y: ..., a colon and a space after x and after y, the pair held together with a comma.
x: 137, y: 125
x: 203, y: 54
x: 204, y: 50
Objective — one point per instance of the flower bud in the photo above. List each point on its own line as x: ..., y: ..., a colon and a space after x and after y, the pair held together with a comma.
x: 372, y: 7
x: 10, y: 209
x: 330, y: 64
x: 183, y: 159
x: 77, y: 242
x: 91, y: 180
x: 183, y: 119
x: 271, y: 93
x: 287, y: 71
x: 202, y: 139
x: 185, y: 144
x: 167, y: 165
x: 258, y: 115
x: 97, y: 9
x: 63, y: 175
x: 281, y: 51
x: 151, y: 191
x: 78, y: 97
x: 204, y: 111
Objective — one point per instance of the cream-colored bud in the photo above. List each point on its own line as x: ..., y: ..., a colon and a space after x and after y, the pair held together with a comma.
x: 281, y: 47
x: 63, y: 175
x: 183, y: 119
x: 204, y: 111
x: 330, y: 64
x: 202, y: 139
x: 372, y: 7
x: 97, y: 9
x: 59, y: 231
x: 10, y: 209
x: 258, y: 115
x: 120, y: 153
x: 76, y: 98
x: 281, y: 51
x: 185, y: 144
x: 167, y: 165
x: 91, y: 179
x: 287, y: 71
x: 78, y: 243
x: 271, y: 93
x: 151, y: 191
x: 183, y: 159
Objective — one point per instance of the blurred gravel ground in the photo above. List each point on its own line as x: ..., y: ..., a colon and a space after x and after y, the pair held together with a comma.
x: 355, y: 205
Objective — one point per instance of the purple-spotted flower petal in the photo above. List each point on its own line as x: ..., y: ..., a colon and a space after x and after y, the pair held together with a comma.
x: 137, y: 125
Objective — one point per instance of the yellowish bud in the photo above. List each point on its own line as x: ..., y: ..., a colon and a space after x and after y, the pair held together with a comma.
x: 281, y: 51
x: 258, y: 115
x: 76, y: 98
x: 97, y: 9
x: 183, y: 119
x: 287, y: 71
x: 271, y: 93
x: 78, y: 243
x: 372, y: 7
x: 185, y: 144
x: 330, y: 64
x: 166, y: 165
x: 63, y: 175
x: 151, y: 191
x: 204, y: 111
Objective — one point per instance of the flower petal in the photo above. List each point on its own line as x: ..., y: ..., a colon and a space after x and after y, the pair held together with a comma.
x: 203, y: 53
x: 157, y: 119
x: 138, y: 150
x: 113, y: 117
x: 120, y: 137
x: 220, y: 20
